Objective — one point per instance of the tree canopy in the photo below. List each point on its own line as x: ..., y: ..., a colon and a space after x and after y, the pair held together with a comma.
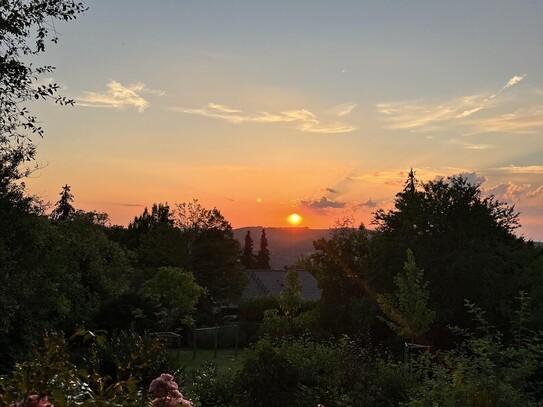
x: 463, y: 240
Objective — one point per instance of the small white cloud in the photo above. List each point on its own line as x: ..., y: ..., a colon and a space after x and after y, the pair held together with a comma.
x: 513, y: 81
x: 118, y: 96
x: 222, y: 108
x: 469, y: 146
x: 467, y: 113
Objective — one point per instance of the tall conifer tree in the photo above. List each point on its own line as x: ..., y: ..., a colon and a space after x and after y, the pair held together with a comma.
x: 64, y: 208
x: 263, y: 258
x: 248, y: 258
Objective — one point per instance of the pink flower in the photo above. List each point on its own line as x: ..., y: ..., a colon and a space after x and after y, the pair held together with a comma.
x: 170, y: 402
x: 161, y: 386
x: 34, y: 400
x: 166, y: 392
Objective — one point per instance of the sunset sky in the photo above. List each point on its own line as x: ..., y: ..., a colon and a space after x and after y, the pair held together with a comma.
x: 320, y: 108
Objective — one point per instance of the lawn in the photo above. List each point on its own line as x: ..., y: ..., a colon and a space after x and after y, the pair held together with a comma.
x: 225, y: 358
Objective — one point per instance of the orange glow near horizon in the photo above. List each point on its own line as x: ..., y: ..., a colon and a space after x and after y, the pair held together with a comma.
x: 294, y: 219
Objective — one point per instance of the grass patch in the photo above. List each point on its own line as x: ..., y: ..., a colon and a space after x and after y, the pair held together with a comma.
x: 225, y: 358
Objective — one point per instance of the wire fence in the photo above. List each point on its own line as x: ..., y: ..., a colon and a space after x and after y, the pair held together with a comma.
x: 217, y: 337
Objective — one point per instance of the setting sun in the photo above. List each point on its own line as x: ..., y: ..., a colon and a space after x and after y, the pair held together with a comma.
x: 294, y: 219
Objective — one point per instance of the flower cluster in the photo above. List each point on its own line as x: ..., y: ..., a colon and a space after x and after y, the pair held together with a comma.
x: 166, y: 393
x: 34, y: 400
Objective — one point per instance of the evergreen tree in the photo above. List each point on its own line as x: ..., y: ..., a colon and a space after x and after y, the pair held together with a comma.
x: 263, y: 257
x: 406, y: 310
x: 64, y: 208
x: 411, y: 183
x: 248, y: 258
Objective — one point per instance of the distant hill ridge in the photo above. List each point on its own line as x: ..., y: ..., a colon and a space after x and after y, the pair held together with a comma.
x: 286, y: 244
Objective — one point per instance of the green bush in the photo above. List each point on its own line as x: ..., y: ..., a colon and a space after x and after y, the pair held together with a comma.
x: 303, y: 372
x: 126, y: 355
x: 212, y: 389
x: 51, y: 374
x: 267, y: 378
x: 485, y: 371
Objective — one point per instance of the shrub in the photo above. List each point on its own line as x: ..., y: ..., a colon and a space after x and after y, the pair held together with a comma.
x: 267, y: 378
x: 212, y: 389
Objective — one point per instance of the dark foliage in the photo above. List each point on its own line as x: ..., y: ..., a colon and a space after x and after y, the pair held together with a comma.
x: 25, y: 28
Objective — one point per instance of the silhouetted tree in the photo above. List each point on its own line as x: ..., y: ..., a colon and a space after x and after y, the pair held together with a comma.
x: 263, y: 257
x: 31, y: 288
x: 411, y: 183
x: 19, y: 22
x: 64, y: 208
x: 155, y: 240
x: 338, y: 264
x: 465, y: 243
x: 211, y: 252
x: 160, y: 215
x: 248, y: 257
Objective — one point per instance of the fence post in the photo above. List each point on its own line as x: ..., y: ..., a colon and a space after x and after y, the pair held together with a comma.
x: 216, y: 340
x: 194, y: 342
x: 237, y: 336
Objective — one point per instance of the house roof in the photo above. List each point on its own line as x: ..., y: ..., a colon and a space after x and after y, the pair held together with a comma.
x: 271, y: 282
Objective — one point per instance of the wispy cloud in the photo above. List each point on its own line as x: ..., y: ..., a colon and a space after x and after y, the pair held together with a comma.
x: 304, y: 119
x: 331, y: 190
x: 469, y: 146
x: 528, y: 169
x: 119, y: 96
x: 125, y: 204
x: 379, y: 178
x: 522, y: 121
x: 343, y: 110
x: 424, y: 116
